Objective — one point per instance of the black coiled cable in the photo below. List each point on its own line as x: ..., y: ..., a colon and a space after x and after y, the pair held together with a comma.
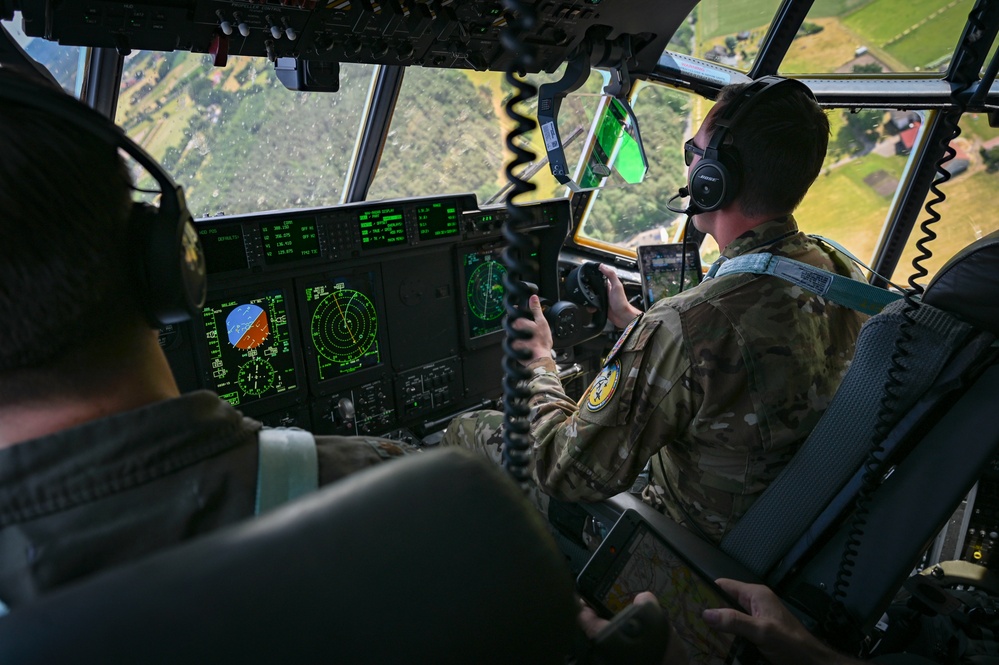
x: 520, y: 18
x: 836, y: 624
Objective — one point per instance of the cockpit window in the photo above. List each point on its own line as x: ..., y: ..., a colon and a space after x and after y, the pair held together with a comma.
x: 967, y: 213
x: 637, y: 215
x: 65, y: 62
x: 725, y: 32
x: 869, y: 151
x: 447, y: 135
x: 877, y: 37
x: 235, y: 138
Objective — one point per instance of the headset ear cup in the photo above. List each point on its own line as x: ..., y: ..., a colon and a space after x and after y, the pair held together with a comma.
x: 708, y: 184
x: 714, y: 183
x: 170, y: 265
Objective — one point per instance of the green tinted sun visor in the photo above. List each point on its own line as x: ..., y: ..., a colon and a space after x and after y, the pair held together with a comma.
x: 602, y: 146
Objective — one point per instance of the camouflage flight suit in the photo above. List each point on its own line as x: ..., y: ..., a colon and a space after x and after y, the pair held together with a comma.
x: 725, y: 381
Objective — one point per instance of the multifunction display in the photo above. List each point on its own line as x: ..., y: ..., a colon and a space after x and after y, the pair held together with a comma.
x: 250, y: 348
x: 224, y: 250
x: 383, y: 227
x: 342, y: 321
x: 437, y: 220
x: 483, y: 274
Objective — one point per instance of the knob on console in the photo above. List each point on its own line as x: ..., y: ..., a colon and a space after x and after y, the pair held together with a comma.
x: 345, y: 409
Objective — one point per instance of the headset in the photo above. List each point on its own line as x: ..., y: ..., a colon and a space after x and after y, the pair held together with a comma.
x: 715, y: 180
x: 170, y: 263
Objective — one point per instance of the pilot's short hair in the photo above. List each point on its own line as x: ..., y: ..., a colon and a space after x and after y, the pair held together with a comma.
x: 780, y: 144
x: 64, y: 204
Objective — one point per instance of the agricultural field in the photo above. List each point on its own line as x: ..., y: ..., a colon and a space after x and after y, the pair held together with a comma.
x: 717, y: 18
x: 964, y: 220
x: 904, y: 35
x: 841, y: 206
x: 919, y: 33
x: 831, y: 49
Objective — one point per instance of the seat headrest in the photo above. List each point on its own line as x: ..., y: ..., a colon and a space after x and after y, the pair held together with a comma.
x: 434, y: 558
x: 968, y: 285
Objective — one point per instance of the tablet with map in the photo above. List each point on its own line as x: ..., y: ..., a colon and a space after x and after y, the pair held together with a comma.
x: 634, y: 558
x: 660, y: 267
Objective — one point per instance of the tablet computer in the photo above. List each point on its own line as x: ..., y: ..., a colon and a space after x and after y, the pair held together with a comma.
x: 634, y: 558
x: 660, y: 266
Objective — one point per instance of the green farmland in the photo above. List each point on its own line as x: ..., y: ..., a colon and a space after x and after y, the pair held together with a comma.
x: 917, y: 32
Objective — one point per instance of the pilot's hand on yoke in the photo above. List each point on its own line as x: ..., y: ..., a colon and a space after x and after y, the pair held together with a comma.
x: 621, y: 312
x: 540, y: 345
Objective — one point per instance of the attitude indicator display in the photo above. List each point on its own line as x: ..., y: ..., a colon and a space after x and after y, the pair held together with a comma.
x: 343, y: 325
x: 484, y: 291
x: 249, y: 347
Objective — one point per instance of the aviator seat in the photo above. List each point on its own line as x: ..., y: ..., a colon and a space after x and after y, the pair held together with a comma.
x: 428, y: 559
x: 936, y: 433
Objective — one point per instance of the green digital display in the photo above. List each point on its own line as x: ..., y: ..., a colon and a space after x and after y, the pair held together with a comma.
x: 290, y: 240
x: 484, y: 290
x: 437, y: 220
x: 382, y: 228
x: 343, y: 324
x: 250, y: 350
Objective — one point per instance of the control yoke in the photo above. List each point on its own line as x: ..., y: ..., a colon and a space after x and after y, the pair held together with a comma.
x: 584, y: 314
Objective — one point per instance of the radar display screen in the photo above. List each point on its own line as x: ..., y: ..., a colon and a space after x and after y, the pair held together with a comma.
x: 483, y: 278
x: 290, y: 240
x: 437, y: 220
x: 342, y: 324
x: 382, y: 228
x: 249, y: 347
x: 224, y: 249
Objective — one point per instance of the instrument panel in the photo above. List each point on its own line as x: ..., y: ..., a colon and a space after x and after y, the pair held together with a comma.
x: 359, y: 319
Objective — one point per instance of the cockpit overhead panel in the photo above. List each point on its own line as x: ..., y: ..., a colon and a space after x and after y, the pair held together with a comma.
x: 432, y: 33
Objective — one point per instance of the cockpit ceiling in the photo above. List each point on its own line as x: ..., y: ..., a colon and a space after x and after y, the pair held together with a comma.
x: 462, y: 34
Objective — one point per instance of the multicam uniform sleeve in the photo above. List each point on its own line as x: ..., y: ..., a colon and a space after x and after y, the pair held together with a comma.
x: 637, y: 404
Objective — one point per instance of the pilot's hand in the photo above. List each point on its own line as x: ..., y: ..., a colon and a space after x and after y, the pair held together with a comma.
x: 593, y: 624
x: 540, y: 345
x: 621, y: 312
x: 779, y: 636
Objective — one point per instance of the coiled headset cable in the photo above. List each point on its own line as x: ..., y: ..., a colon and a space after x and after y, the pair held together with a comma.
x: 520, y: 18
x: 837, y: 624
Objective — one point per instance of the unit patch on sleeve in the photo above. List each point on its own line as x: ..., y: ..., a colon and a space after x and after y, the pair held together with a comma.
x: 602, y: 388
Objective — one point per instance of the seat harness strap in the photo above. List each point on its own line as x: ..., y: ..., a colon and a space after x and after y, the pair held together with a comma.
x: 287, y: 468
x: 845, y: 291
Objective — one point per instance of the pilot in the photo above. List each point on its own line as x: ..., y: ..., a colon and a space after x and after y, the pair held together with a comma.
x: 721, y: 384
x: 102, y: 460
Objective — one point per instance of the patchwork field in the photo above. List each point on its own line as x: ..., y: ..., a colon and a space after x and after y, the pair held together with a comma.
x: 917, y: 32
x: 717, y: 18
